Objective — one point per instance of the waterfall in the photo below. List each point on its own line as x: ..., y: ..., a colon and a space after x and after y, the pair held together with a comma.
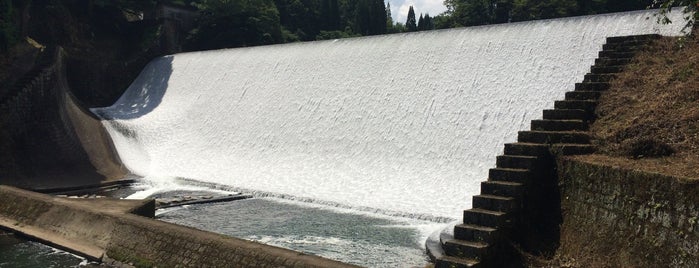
x: 404, y: 124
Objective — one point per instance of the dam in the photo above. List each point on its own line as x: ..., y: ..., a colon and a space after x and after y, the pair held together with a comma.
x: 402, y: 126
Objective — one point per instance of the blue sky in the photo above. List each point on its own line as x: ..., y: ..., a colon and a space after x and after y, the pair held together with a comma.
x: 399, y: 8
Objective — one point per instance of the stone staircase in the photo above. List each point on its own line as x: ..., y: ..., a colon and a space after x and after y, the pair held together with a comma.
x: 514, y: 187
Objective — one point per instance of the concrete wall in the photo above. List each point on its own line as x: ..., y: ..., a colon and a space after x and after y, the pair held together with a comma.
x: 46, y: 136
x: 626, y: 218
x: 125, y: 238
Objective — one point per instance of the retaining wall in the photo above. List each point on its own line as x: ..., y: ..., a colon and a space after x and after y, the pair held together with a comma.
x: 47, y: 140
x: 627, y: 218
x: 124, y: 238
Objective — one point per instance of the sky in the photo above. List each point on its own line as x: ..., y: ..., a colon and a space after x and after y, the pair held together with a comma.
x: 399, y: 8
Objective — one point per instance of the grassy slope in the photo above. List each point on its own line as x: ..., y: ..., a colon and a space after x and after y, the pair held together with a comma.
x: 653, y: 104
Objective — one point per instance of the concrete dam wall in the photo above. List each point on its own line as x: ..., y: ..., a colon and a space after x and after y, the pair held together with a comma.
x: 403, y: 124
x: 48, y: 139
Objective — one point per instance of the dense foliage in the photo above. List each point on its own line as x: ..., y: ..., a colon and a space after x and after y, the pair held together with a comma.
x: 691, y: 14
x: 479, y: 12
x: 235, y: 23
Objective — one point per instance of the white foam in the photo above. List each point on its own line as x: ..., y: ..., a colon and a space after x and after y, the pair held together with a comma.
x: 403, y: 122
x: 152, y: 186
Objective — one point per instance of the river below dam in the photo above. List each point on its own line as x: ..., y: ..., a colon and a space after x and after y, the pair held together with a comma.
x: 363, y: 238
x: 16, y: 252
x: 357, y: 237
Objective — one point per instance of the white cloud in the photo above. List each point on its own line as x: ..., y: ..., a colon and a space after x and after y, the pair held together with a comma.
x: 399, y: 8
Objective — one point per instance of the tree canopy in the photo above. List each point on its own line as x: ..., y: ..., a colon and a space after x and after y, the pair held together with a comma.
x: 479, y: 12
x: 234, y: 23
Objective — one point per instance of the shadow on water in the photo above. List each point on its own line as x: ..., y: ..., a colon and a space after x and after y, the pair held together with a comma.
x: 144, y: 94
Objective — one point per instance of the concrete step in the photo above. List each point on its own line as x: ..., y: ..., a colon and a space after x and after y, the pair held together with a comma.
x: 624, y: 46
x: 592, y: 86
x: 596, y: 78
x: 496, y: 203
x: 516, y: 161
x: 503, y: 188
x: 549, y: 137
x: 611, y: 62
x: 455, y: 262
x: 477, y: 233
x: 606, y: 69
x: 586, y: 105
x: 466, y: 249
x: 487, y: 218
x: 510, y: 174
x: 558, y: 114
x: 616, y: 54
x: 583, y: 95
x: 538, y: 149
x: 559, y: 125
x: 641, y: 37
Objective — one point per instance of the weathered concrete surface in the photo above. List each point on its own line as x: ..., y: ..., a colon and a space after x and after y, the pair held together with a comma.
x: 102, y: 229
x: 48, y: 140
x: 615, y: 217
x: 57, y: 221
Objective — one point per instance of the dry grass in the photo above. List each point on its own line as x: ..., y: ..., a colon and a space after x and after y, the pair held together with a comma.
x: 652, y: 111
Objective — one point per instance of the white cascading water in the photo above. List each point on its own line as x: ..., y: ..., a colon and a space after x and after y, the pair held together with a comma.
x: 402, y: 124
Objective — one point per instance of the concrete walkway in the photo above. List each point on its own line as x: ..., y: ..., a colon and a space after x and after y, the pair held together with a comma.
x: 116, y: 230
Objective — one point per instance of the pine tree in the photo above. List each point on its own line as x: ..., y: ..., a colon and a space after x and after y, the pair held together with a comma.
x: 389, y: 16
x: 331, y: 15
x: 378, y: 17
x: 411, y: 24
x: 363, y: 17
x: 421, y: 23
x: 429, y: 25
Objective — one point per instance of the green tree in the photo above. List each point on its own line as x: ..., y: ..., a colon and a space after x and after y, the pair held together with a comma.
x: 378, y: 17
x: 444, y: 21
x: 626, y: 5
x: 590, y: 7
x: 331, y: 15
x: 235, y: 23
x: 371, y: 17
x: 389, y: 16
x: 411, y: 23
x: 424, y: 23
x: 471, y: 12
x: 363, y: 17
x: 303, y: 17
x: 421, y: 23
x: 429, y: 25
x: 523, y: 10
x: 690, y: 10
x: 502, y: 11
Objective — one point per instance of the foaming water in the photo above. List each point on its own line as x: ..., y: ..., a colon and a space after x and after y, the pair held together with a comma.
x: 345, y: 235
x: 150, y: 186
x: 404, y: 123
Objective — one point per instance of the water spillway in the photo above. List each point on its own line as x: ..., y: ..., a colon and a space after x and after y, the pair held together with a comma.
x: 403, y: 124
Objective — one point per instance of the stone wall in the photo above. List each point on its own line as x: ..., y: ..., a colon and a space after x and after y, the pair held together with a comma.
x: 627, y: 218
x: 127, y: 239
